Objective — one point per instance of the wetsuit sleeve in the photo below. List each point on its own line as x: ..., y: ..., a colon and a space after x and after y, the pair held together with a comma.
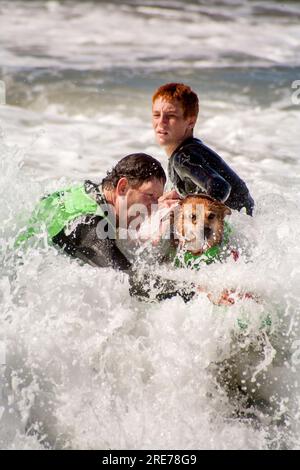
x: 84, y: 243
x: 149, y: 287
x: 205, y: 178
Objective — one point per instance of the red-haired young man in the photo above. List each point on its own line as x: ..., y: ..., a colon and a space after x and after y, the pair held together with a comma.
x: 193, y: 167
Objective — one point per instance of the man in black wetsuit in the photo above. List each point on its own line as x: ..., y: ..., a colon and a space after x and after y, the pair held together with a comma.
x: 85, y: 221
x: 193, y: 167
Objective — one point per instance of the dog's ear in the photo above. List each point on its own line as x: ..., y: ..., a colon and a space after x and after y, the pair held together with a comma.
x: 227, y: 211
x: 221, y: 208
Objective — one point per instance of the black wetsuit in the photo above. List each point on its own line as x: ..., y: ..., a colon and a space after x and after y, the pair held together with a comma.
x: 84, y: 242
x: 194, y: 169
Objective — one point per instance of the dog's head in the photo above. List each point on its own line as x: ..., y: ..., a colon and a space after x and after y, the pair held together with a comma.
x: 199, y: 223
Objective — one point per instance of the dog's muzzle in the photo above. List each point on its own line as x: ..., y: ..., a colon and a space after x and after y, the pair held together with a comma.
x: 198, y: 242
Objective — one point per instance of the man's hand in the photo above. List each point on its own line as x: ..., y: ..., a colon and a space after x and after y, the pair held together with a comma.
x: 228, y: 297
x: 224, y: 299
x: 157, y: 226
x: 169, y: 199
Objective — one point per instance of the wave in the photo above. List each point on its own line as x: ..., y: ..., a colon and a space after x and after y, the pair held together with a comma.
x: 88, y: 366
x: 101, y: 34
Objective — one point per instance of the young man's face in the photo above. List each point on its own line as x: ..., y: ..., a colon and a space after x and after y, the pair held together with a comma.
x: 170, y: 126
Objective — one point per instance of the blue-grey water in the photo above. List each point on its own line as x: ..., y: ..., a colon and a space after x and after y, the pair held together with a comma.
x: 84, y: 365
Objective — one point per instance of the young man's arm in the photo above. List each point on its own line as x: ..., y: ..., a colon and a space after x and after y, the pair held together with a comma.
x: 203, y: 177
x: 207, y: 170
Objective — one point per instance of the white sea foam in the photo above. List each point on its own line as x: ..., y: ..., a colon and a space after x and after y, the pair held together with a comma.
x: 81, y: 354
x: 84, y: 364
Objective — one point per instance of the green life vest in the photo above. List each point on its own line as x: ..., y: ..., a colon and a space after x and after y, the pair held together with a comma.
x: 188, y: 260
x: 55, y: 211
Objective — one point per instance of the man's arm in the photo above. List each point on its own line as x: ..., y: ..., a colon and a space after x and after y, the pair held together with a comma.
x: 150, y: 287
x: 84, y: 243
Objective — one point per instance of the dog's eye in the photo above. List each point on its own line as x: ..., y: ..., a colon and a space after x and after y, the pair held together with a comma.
x: 211, y: 216
x: 193, y: 217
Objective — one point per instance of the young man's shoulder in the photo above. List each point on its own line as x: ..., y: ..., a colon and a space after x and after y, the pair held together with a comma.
x: 189, y: 143
x: 195, y: 148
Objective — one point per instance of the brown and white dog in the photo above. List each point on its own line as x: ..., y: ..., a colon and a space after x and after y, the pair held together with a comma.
x: 199, y: 223
x: 196, y: 223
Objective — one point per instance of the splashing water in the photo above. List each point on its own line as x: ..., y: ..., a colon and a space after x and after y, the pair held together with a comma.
x: 83, y: 364
x: 87, y: 366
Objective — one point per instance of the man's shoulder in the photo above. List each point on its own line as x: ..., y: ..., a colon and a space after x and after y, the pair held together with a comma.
x: 94, y: 190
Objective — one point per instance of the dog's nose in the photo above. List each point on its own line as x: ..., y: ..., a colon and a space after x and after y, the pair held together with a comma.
x: 207, y: 232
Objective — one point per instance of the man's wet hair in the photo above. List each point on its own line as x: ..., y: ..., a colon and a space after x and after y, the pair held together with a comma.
x: 179, y: 92
x: 137, y: 168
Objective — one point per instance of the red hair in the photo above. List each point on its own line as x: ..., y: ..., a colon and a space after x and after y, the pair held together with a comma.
x: 182, y: 93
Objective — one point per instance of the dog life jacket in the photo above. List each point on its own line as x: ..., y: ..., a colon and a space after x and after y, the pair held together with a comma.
x: 215, y: 253
x: 56, y: 210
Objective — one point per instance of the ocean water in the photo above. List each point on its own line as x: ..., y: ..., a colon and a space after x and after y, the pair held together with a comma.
x: 83, y: 364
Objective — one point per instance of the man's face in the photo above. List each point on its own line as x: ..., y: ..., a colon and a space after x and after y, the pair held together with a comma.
x: 146, y: 194
x: 170, y: 125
